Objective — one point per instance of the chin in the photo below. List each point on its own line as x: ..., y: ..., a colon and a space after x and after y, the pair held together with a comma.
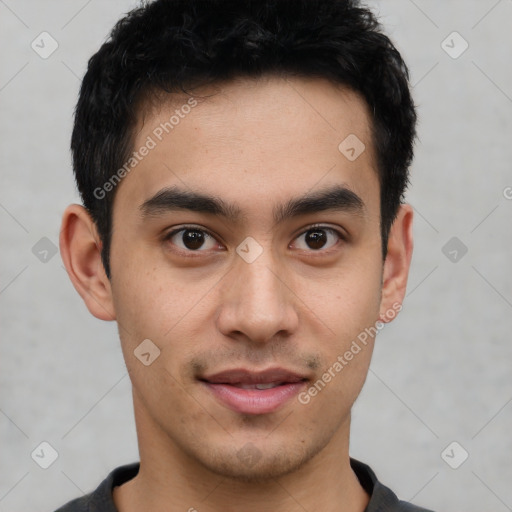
x: 266, y: 469
x: 257, y: 463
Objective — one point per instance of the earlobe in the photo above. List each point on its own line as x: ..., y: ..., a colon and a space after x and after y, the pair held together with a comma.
x: 80, y: 248
x: 397, y: 264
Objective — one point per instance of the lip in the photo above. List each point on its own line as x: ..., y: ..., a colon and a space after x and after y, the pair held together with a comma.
x: 223, y: 386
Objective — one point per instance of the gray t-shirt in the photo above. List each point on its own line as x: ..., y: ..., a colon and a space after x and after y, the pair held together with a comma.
x: 382, y: 499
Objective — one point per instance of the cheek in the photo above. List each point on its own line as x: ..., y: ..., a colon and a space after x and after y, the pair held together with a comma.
x: 153, y: 301
x: 348, y: 305
x: 151, y: 304
x: 346, y: 299
x: 147, y: 302
x: 346, y: 355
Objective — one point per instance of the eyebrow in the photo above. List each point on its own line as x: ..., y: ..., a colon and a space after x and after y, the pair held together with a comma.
x: 337, y: 198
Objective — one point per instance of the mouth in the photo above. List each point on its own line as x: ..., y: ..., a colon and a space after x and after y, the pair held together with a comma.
x: 268, y: 385
x: 251, y: 392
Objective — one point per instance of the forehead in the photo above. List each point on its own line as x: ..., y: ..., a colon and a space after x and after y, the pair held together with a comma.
x: 253, y: 140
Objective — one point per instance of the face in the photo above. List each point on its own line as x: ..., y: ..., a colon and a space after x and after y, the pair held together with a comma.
x: 246, y: 247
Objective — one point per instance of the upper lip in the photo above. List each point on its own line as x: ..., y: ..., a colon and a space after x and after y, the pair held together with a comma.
x: 243, y: 376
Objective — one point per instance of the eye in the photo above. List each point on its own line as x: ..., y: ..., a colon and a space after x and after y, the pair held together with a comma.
x: 318, y: 238
x: 191, y: 239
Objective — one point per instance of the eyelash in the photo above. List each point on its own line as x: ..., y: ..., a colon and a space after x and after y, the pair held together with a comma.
x: 188, y: 252
x: 191, y: 253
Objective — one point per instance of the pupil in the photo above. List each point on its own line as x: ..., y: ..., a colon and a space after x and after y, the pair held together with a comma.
x: 193, y: 239
x: 316, y: 239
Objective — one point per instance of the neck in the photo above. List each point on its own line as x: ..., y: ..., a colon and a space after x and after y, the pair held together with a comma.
x: 169, y: 479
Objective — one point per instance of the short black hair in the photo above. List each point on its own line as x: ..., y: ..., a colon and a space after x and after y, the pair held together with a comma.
x: 167, y: 46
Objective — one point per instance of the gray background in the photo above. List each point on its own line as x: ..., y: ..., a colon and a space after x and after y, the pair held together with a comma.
x: 440, y: 373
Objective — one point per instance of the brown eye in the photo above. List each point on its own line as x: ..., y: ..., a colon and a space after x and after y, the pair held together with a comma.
x: 318, y: 238
x: 191, y: 239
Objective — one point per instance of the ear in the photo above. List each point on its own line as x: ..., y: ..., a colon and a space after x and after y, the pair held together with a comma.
x: 80, y: 248
x: 396, y: 264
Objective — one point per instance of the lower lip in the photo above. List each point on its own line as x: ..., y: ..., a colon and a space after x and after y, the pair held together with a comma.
x: 255, y: 401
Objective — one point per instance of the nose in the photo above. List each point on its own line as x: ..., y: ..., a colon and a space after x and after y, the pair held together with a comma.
x: 257, y: 303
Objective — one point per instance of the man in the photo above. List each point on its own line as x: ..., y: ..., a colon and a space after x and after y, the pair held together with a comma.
x: 242, y: 166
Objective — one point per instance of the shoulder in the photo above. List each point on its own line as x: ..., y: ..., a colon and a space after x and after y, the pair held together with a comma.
x: 76, y: 505
x: 101, y: 500
x: 382, y: 499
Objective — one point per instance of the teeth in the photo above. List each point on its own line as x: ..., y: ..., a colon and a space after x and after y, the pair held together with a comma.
x: 269, y: 385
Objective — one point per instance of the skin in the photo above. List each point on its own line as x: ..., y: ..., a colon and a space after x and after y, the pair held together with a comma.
x: 256, y: 143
